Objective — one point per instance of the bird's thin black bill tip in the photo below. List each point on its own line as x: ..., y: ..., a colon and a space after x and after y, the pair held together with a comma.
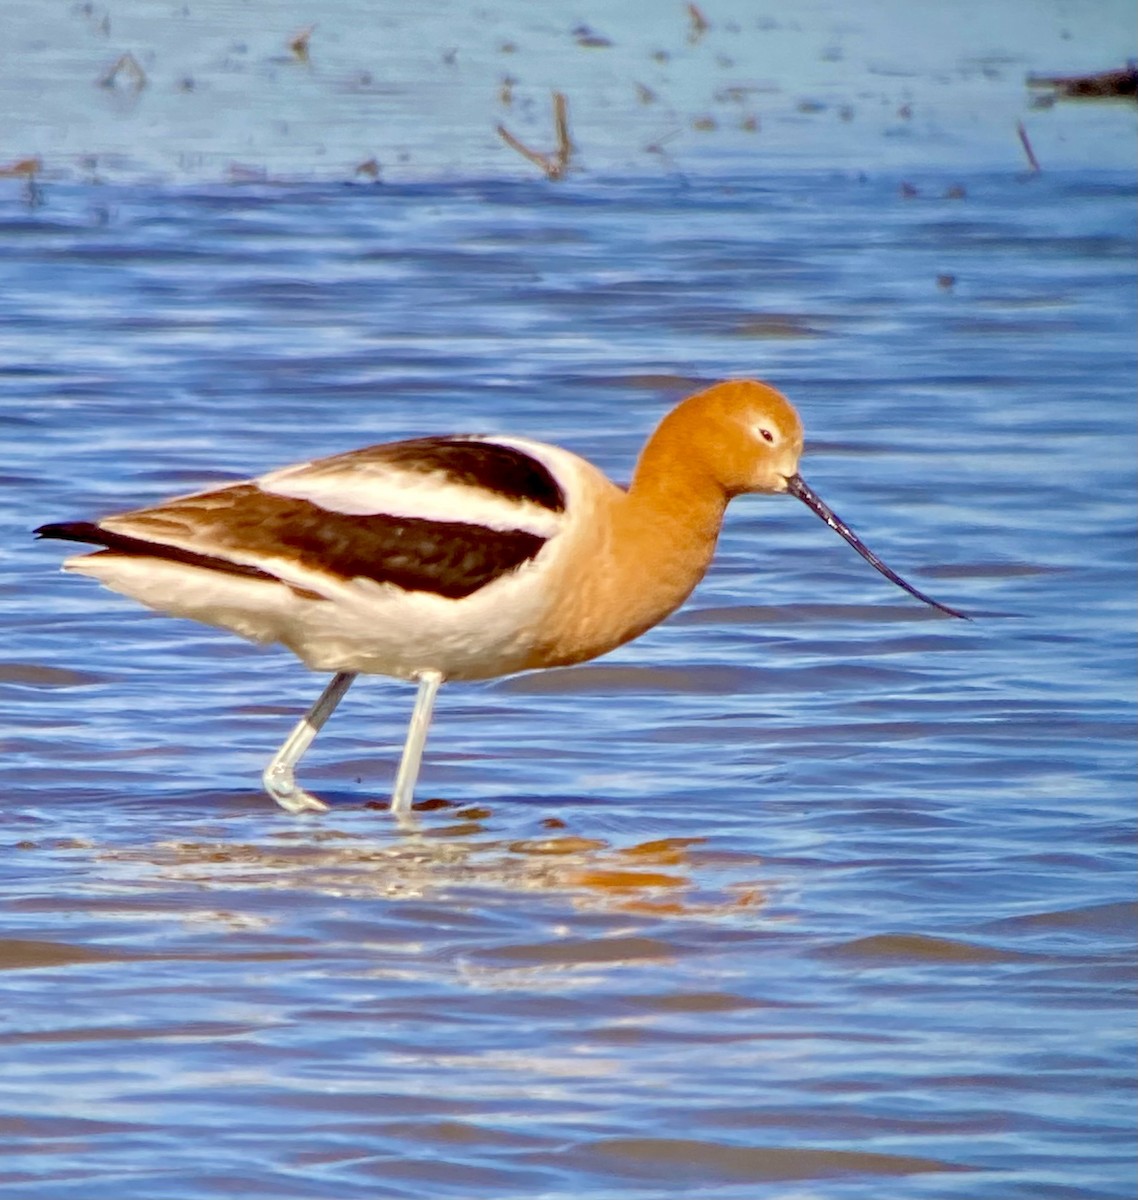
x: 798, y: 487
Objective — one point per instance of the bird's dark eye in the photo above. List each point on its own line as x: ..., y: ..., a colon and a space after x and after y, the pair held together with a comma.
x: 766, y: 435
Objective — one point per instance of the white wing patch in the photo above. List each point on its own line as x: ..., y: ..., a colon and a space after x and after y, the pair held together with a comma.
x: 365, y: 487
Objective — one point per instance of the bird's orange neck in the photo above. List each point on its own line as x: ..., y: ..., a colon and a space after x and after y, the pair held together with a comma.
x: 645, y: 553
x: 669, y: 524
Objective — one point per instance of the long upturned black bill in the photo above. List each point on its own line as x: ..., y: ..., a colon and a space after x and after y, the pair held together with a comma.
x: 797, y: 486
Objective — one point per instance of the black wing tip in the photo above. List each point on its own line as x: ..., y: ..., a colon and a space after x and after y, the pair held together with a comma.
x: 72, y: 531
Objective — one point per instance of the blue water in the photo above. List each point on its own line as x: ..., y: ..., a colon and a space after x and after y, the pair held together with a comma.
x: 808, y: 892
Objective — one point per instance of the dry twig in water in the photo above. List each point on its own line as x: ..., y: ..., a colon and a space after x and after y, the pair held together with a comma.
x: 298, y: 44
x: 1121, y: 84
x: 22, y: 168
x: 127, y: 68
x: 26, y: 169
x: 553, y: 165
x: 1025, y: 141
x: 698, y: 23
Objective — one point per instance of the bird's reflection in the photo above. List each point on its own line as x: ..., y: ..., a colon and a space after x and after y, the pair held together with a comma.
x: 451, y: 846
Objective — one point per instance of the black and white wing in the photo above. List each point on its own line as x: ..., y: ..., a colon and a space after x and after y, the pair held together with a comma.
x: 442, y: 515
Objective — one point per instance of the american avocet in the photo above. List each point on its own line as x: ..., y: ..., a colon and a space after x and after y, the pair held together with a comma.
x: 461, y: 557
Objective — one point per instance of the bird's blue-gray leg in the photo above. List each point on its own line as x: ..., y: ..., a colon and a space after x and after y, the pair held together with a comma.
x: 404, y: 792
x: 278, y: 777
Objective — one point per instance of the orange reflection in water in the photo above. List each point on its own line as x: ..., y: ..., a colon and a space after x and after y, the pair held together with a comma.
x: 676, y: 876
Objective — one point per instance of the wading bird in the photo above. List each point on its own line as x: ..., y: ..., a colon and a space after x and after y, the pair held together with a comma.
x: 449, y: 558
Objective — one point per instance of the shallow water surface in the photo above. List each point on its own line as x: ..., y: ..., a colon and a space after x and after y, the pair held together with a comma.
x: 809, y: 892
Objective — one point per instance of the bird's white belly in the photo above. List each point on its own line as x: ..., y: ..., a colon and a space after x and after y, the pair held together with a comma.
x: 357, y: 625
x: 379, y: 629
